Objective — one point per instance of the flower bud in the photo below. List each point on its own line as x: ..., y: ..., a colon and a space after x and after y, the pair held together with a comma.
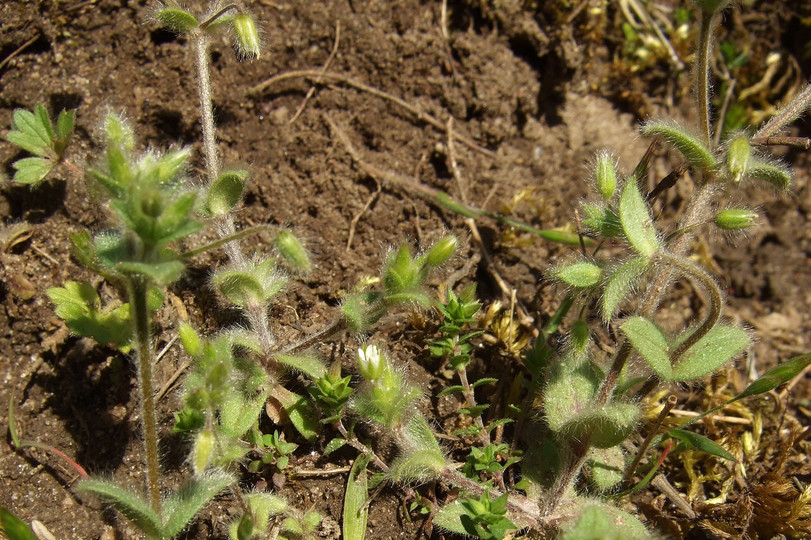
x: 370, y: 363
x: 733, y: 219
x: 605, y: 175
x: 190, y: 340
x: 247, y: 36
x: 738, y: 157
x: 293, y: 252
x: 441, y: 251
x: 203, y: 450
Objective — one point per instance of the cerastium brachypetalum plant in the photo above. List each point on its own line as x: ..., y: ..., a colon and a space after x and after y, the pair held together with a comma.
x: 587, y: 405
x: 154, y: 207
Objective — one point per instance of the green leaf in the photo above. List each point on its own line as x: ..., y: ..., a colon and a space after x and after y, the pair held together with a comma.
x: 604, y: 522
x: 78, y: 305
x: 64, y: 130
x: 29, y: 133
x: 171, y: 164
x: 239, y: 413
x: 31, y: 170
x: 620, y: 284
x: 417, y: 466
x: 176, y: 19
x: 334, y: 444
x: 181, y: 507
x: 162, y: 273
x: 775, y: 174
x: 13, y: 527
x: 719, y: 346
x: 44, y: 121
x: 225, y: 192
x: 307, y: 364
x: 651, y: 343
x: 301, y: 411
x: 608, y: 425
x: 694, y: 151
x: 449, y: 518
x: 483, y: 381
x: 241, y: 288
x: 356, y: 511
x: 636, y: 221
x: 694, y: 440
x: 776, y: 376
x: 135, y: 508
x: 580, y: 274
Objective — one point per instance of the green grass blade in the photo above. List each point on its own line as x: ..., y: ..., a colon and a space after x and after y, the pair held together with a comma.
x: 356, y: 510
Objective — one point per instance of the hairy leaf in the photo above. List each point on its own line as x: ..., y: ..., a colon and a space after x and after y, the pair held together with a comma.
x: 135, y: 508
x: 718, y: 347
x: 636, y: 221
x: 651, y: 343
x: 693, y: 150
x: 620, y: 284
x: 580, y: 274
x: 181, y: 507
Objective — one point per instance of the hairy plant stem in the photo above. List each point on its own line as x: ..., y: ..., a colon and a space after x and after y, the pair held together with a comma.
x: 704, y: 54
x: 694, y: 271
x: 137, y: 288
x: 255, y: 312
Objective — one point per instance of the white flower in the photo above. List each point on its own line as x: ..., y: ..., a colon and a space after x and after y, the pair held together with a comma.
x: 370, y: 362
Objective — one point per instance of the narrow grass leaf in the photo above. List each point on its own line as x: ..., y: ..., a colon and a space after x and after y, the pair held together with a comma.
x: 719, y: 346
x: 776, y: 376
x: 699, y: 442
x: 13, y: 527
x: 651, y: 343
x: 356, y: 511
x: 636, y: 221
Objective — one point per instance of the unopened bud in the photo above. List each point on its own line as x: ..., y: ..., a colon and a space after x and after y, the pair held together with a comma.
x: 203, y: 450
x: 605, y: 175
x: 189, y: 338
x: 733, y: 219
x: 441, y: 251
x: 738, y: 157
x: 247, y: 36
x: 293, y: 252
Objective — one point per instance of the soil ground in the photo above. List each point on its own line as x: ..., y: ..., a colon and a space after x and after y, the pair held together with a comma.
x: 534, y: 87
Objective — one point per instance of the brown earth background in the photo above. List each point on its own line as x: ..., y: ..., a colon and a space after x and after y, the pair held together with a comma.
x: 537, y: 87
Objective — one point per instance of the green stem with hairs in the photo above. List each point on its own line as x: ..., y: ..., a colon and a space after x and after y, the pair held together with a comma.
x: 138, y: 288
x: 692, y: 270
x: 703, y: 74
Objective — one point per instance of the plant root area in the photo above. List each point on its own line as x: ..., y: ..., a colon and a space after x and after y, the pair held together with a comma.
x: 351, y: 112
